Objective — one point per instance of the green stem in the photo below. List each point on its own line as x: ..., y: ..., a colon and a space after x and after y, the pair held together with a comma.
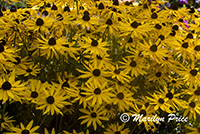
x: 141, y: 130
x: 134, y: 128
x: 77, y: 7
x: 4, y: 109
x: 43, y: 119
x: 60, y: 124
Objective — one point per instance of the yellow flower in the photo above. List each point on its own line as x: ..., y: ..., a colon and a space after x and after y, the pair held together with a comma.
x: 93, y: 117
x: 117, y: 129
x: 24, y: 130
x: 98, y: 94
x: 11, y: 89
x: 94, y: 46
x: 53, y: 100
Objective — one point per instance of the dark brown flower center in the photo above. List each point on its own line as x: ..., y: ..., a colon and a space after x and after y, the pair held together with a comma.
x: 173, y: 81
x: 52, y: 41
x: 180, y: 20
x: 50, y: 100
x: 1, y: 48
x: 25, y: 132
x: 96, y: 72
x: 6, y: 86
x: 34, y: 94
x: 197, y: 48
x: 145, y: 6
x: 192, y: 104
x: 116, y: 2
x: 101, y: 6
x: 197, y: 92
x: 169, y: 95
x: 193, y: 72
x: 108, y: 106
x: 13, y: 8
x: 161, y: 101
x: 109, y: 22
x: 175, y: 27
x: 120, y: 96
x: 154, y: 16
x: 94, y: 43
x: 135, y: 24
x: 158, y: 26
x: 2, y: 42
x: 162, y: 37
x: 133, y: 63
x: 158, y: 74
x: 93, y: 115
x: 39, y: 22
x: 190, y: 36
x: 97, y: 91
x: 86, y: 17
x: 117, y: 132
x: 185, y: 45
x: 45, y: 13
x: 143, y: 112
x: 153, y: 48
x: 117, y: 71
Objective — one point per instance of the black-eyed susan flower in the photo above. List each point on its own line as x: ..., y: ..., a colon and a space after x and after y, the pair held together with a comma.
x: 94, y: 46
x: 67, y: 81
x: 52, y: 46
x: 86, y: 20
x: 6, y: 121
x: 29, y: 70
x: 117, y: 129
x: 11, y: 89
x: 159, y: 102
x: 35, y: 90
x: 24, y: 130
x: 78, y: 94
x: 194, y: 92
x: 190, y: 74
x: 51, y: 132
x: 98, y: 94
x: 123, y: 98
x: 53, y: 100
x: 93, y: 117
x: 192, y: 108
x: 39, y: 23
x: 96, y: 74
x: 108, y: 110
x: 152, y: 49
x: 134, y: 66
x: 193, y: 130
x: 119, y: 74
x: 173, y: 100
x: 145, y: 112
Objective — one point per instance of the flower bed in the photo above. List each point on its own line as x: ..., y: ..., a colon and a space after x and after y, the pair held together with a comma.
x: 89, y: 66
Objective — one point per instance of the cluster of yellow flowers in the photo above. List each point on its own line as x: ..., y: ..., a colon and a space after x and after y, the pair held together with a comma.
x: 89, y: 60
